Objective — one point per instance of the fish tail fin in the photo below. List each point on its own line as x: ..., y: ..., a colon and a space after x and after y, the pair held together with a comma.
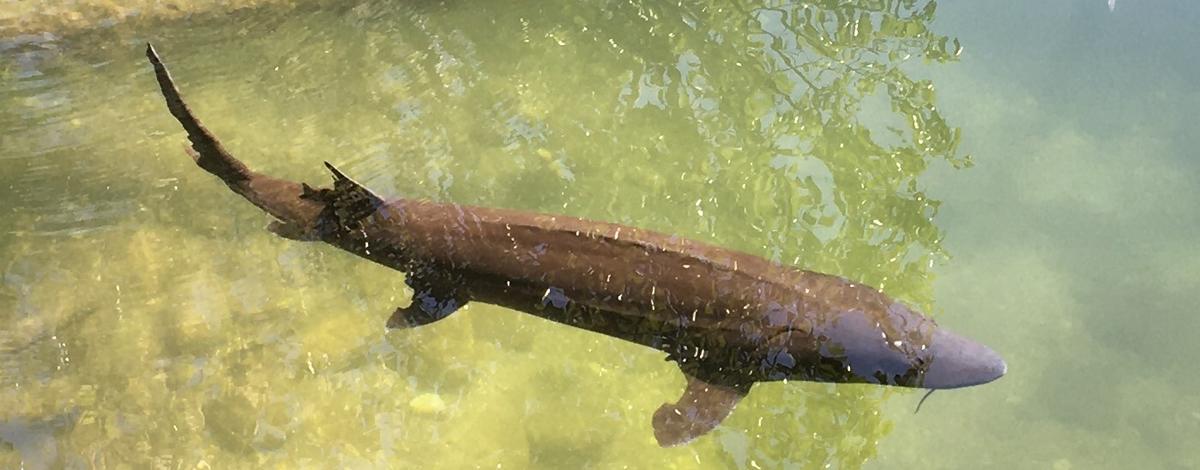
x: 205, y: 149
x: 280, y: 198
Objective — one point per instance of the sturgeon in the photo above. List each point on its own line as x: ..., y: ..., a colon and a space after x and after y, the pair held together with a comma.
x: 727, y: 319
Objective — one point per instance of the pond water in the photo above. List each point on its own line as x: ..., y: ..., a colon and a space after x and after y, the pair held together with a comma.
x: 1023, y: 172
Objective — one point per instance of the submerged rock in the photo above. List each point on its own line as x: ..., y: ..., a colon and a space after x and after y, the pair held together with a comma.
x: 427, y: 403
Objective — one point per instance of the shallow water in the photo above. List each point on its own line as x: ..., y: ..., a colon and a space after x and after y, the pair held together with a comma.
x: 1034, y: 191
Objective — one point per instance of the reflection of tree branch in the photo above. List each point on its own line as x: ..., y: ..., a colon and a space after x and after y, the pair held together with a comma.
x: 786, y: 96
x: 783, y: 15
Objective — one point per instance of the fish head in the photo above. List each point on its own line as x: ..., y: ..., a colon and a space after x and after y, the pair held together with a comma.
x: 955, y: 361
x: 893, y: 346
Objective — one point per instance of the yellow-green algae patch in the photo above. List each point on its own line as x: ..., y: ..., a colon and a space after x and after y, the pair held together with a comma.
x: 155, y: 352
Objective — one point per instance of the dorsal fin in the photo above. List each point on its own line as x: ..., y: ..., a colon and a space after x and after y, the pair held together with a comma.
x: 701, y: 408
x: 351, y: 201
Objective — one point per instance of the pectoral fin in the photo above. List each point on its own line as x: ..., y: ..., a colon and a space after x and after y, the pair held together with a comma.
x: 435, y: 296
x: 701, y: 408
x: 291, y: 231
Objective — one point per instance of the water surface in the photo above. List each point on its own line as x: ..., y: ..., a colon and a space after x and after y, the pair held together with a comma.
x: 1014, y: 171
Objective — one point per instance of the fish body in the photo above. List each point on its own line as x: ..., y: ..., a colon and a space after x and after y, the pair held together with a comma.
x: 727, y: 318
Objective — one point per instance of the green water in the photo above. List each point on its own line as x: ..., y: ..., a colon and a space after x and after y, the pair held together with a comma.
x: 1035, y: 192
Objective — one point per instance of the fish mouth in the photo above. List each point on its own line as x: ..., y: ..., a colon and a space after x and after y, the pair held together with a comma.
x: 956, y: 362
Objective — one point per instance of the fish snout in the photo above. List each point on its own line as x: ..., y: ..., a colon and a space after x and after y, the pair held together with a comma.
x: 955, y: 361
